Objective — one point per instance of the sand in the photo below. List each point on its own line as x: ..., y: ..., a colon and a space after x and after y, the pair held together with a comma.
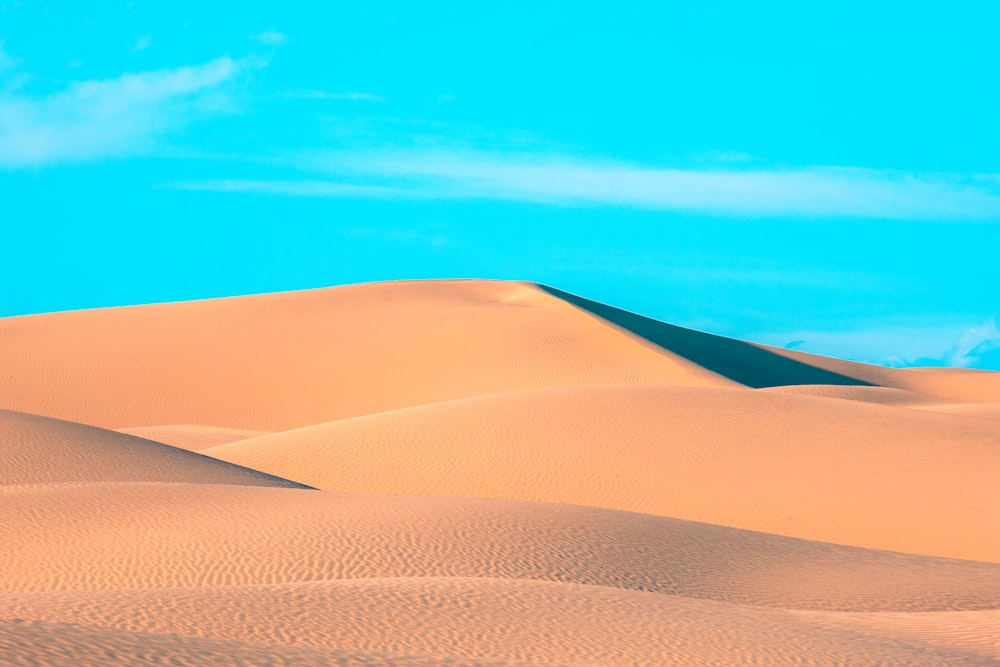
x: 505, y: 474
x: 837, y: 471
x: 193, y: 437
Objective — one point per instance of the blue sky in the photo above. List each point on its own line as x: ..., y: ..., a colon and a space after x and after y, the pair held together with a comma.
x: 825, y: 177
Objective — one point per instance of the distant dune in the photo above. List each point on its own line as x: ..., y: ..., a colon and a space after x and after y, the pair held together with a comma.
x: 839, y: 471
x: 504, y: 474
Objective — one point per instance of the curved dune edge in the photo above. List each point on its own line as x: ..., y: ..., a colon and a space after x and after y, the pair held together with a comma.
x: 547, y: 622
x: 816, y: 468
x: 127, y: 535
x: 192, y: 437
x: 42, y: 450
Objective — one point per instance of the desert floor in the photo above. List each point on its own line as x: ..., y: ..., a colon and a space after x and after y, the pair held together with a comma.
x: 482, y: 473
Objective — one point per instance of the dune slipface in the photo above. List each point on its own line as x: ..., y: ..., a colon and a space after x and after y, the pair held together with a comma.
x: 482, y: 473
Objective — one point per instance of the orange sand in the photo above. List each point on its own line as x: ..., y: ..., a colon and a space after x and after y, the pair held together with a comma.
x: 708, y: 501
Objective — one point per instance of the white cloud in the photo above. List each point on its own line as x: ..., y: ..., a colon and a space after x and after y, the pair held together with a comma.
x: 142, y: 43
x: 112, y: 117
x: 348, y: 96
x: 270, y: 37
x: 756, y: 192
x: 819, y: 191
x: 901, y: 345
x: 295, y: 188
x: 887, y: 343
x: 974, y: 344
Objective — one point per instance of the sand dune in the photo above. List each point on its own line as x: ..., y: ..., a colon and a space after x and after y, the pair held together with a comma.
x: 864, y: 394
x: 278, y: 361
x: 974, y: 632
x: 759, y: 366
x: 708, y: 500
x: 897, y: 397
x: 36, y: 643
x: 128, y: 535
x: 540, y: 622
x: 41, y: 450
x: 824, y: 469
x: 284, y: 576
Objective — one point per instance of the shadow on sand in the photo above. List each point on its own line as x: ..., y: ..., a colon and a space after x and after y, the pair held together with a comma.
x: 734, y: 359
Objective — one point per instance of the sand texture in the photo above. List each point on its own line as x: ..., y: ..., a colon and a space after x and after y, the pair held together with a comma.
x: 482, y: 473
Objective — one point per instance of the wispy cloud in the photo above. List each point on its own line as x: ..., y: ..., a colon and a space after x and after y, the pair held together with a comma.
x: 352, y: 96
x: 270, y: 37
x: 821, y: 191
x: 142, y: 43
x: 977, y: 347
x: 752, y: 192
x: 112, y: 117
x: 295, y: 188
x: 939, y: 343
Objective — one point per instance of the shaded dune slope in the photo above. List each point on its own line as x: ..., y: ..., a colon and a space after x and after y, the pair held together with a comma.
x: 745, y: 363
x: 759, y: 366
x: 832, y: 470
x: 42, y: 450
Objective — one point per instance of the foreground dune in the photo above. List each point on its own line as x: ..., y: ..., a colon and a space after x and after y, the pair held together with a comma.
x: 708, y: 501
x: 149, y: 535
x: 424, y: 580
x: 540, y: 622
x: 34, y: 643
x: 831, y: 470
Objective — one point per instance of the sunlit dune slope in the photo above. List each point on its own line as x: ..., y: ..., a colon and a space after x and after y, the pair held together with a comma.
x: 41, y: 450
x: 149, y: 535
x: 191, y: 436
x: 278, y: 361
x: 832, y: 470
x: 548, y: 622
